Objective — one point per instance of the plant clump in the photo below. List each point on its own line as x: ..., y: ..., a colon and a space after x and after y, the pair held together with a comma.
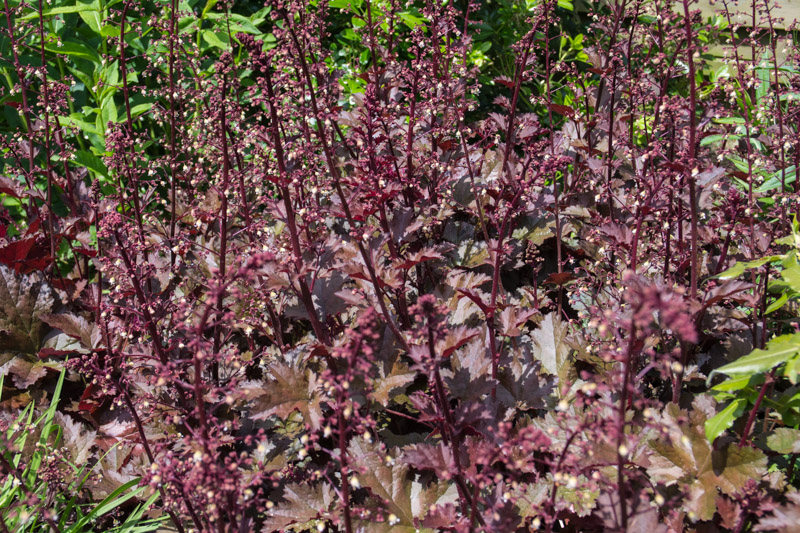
x: 335, y: 265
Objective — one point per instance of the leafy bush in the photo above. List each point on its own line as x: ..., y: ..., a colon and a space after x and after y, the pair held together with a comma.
x: 46, y: 491
x: 341, y: 266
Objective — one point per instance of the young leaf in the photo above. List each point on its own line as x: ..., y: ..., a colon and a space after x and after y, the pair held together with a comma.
x: 724, y: 419
x: 778, y: 351
x: 738, y: 269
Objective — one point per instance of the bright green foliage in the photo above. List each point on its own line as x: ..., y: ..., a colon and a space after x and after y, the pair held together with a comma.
x: 779, y: 359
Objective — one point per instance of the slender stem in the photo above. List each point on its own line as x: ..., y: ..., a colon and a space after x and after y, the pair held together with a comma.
x: 46, y: 105
x: 518, y: 77
x: 321, y: 134
x: 691, y: 162
x: 497, y: 251
x: 623, y: 407
x: 556, y: 201
x: 124, y: 69
x: 146, y: 444
x: 412, y: 112
x: 130, y: 405
x: 132, y: 178
x: 754, y: 411
x: 778, y: 106
x: 291, y: 222
x: 740, y: 68
x: 223, y: 225
x: 172, y: 133
x: 345, y: 469
x: 554, y: 487
x: 447, y: 426
x: 158, y: 343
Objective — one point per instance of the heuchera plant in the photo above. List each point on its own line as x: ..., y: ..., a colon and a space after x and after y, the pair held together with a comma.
x: 300, y: 280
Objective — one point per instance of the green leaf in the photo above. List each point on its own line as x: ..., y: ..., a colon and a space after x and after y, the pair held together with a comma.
x: 411, y: 20
x: 762, y: 88
x: 738, y: 269
x: 238, y: 23
x: 791, y: 275
x: 774, y: 181
x: 261, y: 15
x: 208, y: 7
x: 729, y: 120
x: 108, y: 110
x: 62, y: 10
x: 113, y: 500
x: 736, y: 384
x: 710, y: 139
x: 724, y: 419
x: 792, y: 370
x: 93, y: 19
x: 74, y: 121
x: 134, y: 523
x: 74, y: 49
x: 111, y: 77
x: 111, y: 31
x: 778, y: 351
x: 214, y: 39
x: 140, y: 109
x: 46, y: 420
x: 777, y: 304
